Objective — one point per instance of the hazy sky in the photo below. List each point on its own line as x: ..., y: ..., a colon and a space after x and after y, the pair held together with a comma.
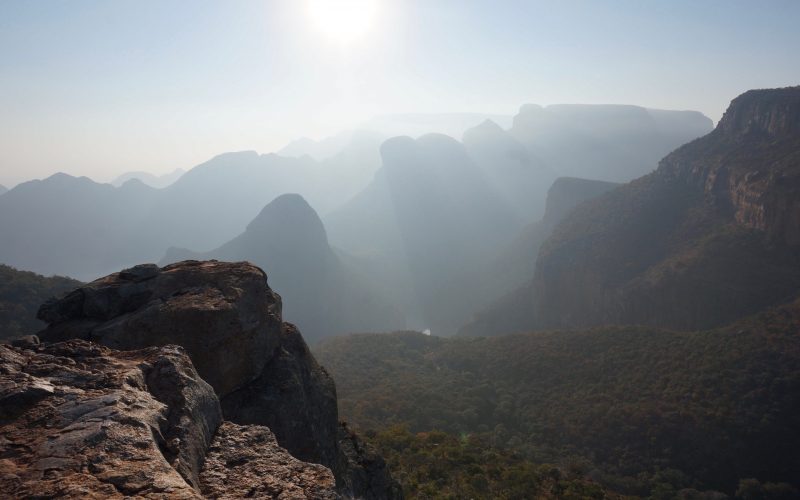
x: 101, y: 87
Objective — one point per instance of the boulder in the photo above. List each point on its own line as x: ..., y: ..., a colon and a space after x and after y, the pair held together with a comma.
x: 223, y: 314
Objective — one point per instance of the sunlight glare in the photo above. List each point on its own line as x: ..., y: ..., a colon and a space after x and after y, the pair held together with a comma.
x: 343, y: 21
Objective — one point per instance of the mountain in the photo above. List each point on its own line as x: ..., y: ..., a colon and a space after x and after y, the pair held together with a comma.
x: 331, y: 146
x: 155, y: 181
x: 322, y: 294
x: 709, y: 237
x: 517, y: 174
x: 75, y: 226
x: 515, y: 266
x: 3, y: 189
x: 616, y: 143
x: 431, y: 220
x: 256, y: 370
x: 418, y: 124
x: 639, y: 409
x: 21, y: 294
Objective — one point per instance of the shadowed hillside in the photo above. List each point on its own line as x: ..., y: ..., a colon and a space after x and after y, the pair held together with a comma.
x: 21, y: 294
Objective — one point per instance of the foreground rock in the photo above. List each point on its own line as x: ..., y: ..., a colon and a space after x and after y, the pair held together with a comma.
x: 78, y: 420
x: 229, y: 321
x: 222, y: 313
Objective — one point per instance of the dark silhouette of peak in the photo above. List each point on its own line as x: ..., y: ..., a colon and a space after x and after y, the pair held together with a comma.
x: 291, y: 216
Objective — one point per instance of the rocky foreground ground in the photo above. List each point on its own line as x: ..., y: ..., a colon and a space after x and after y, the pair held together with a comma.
x: 179, y: 382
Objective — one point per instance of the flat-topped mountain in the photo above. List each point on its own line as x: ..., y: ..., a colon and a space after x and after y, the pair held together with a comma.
x: 615, y: 143
x: 322, y: 294
x: 709, y: 237
x: 257, y: 368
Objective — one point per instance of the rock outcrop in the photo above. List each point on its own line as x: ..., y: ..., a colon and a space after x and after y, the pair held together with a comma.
x: 229, y: 322
x: 221, y: 313
x: 78, y: 420
x: 709, y: 237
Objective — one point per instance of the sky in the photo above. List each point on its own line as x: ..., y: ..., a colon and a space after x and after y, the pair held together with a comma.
x: 98, y: 88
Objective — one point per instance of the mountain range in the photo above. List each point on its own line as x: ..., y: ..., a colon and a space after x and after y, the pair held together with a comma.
x: 709, y: 237
x: 420, y: 221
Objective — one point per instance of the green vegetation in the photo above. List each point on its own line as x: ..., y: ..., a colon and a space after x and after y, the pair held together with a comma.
x: 437, y: 465
x: 642, y: 411
x: 21, y: 294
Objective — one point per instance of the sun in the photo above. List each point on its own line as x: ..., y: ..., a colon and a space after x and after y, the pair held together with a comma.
x: 343, y: 21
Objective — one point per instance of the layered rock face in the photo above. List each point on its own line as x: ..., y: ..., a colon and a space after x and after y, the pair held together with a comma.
x: 229, y: 321
x: 78, y: 420
x: 751, y: 162
x: 710, y: 237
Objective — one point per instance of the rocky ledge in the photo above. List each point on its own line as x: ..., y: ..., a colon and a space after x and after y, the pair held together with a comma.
x: 258, y: 368
x: 78, y: 420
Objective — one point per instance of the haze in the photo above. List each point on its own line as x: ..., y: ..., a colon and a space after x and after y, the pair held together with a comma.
x: 100, y: 88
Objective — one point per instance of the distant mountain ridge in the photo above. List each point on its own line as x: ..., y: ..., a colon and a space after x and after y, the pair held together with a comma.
x: 426, y: 218
x: 609, y: 142
x: 152, y: 180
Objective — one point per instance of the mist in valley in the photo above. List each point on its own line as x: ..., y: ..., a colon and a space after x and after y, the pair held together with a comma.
x: 523, y: 250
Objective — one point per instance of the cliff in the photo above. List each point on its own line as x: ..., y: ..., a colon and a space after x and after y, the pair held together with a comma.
x: 516, y: 266
x: 710, y: 237
x: 229, y: 322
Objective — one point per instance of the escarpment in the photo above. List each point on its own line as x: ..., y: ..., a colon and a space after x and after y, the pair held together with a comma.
x: 229, y: 322
x: 710, y: 237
